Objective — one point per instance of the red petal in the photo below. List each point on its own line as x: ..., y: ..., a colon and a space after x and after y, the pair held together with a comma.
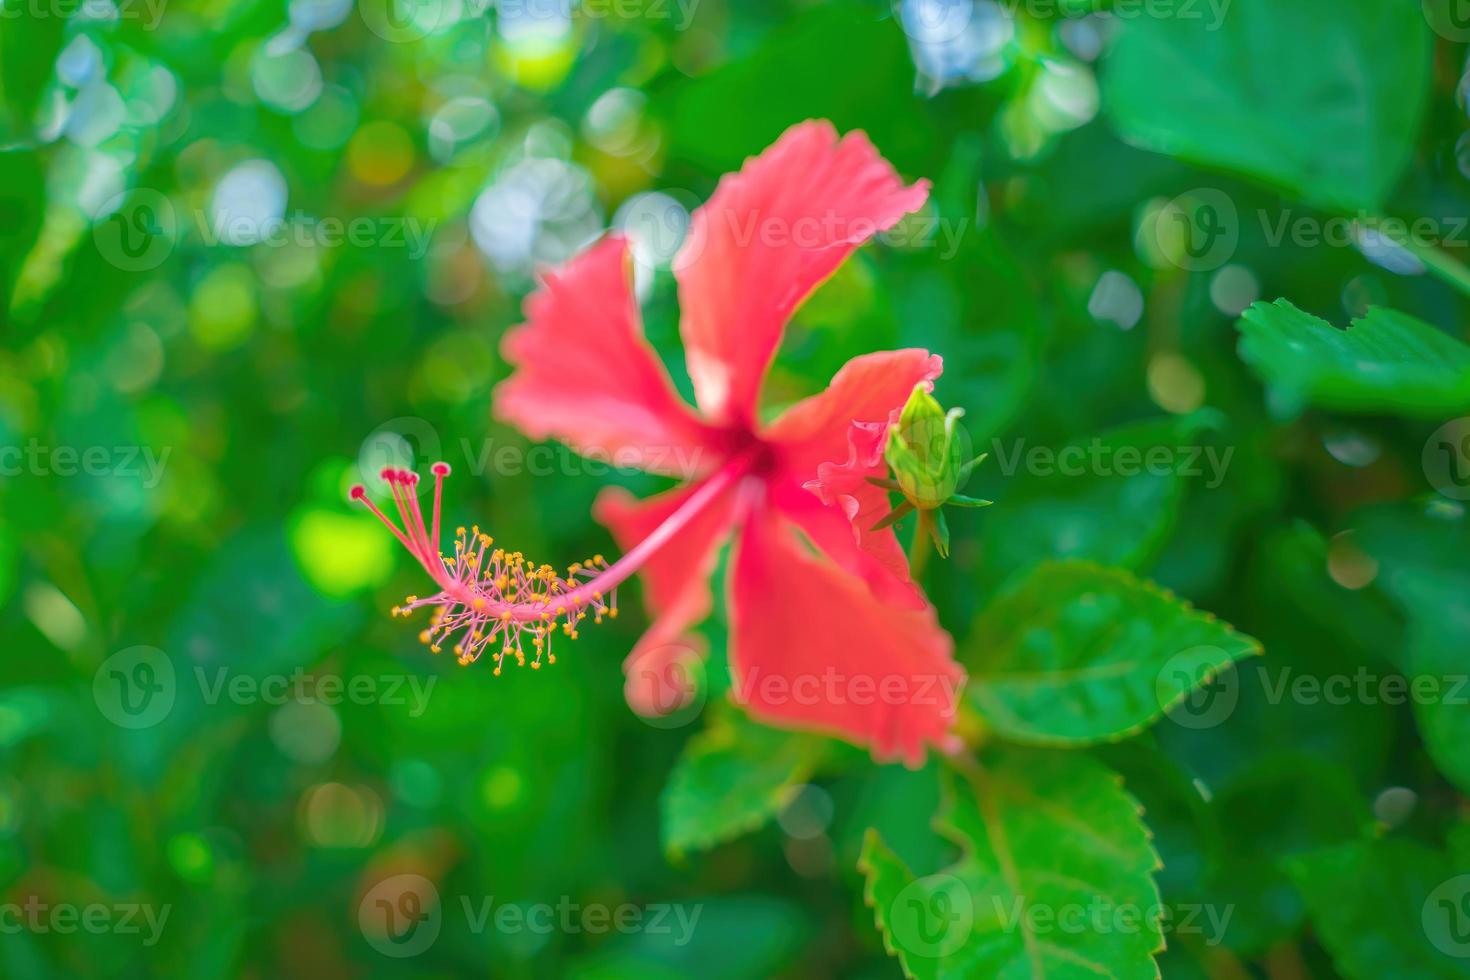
x: 811, y: 647
x: 587, y: 376
x: 830, y: 444
x: 868, y: 388
x: 675, y: 586
x: 767, y: 237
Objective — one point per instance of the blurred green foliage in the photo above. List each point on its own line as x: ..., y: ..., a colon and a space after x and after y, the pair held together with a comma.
x: 248, y: 249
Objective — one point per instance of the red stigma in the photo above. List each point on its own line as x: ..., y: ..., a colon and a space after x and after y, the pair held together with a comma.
x: 357, y: 492
x: 440, y: 469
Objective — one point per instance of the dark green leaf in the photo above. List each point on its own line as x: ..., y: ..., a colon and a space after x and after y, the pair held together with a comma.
x: 1055, y: 879
x: 1077, y: 653
x: 1390, y: 908
x: 732, y: 778
x: 1320, y: 97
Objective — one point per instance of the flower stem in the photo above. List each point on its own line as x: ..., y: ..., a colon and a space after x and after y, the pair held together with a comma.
x: 920, y: 547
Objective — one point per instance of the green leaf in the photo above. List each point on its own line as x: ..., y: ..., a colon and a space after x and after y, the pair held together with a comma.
x: 1320, y: 97
x: 1101, y: 498
x: 1389, y: 908
x: 731, y: 779
x: 1055, y: 879
x: 1385, y: 362
x: 1076, y: 653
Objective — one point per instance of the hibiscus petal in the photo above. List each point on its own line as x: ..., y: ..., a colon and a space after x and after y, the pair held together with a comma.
x: 767, y: 237
x: 868, y: 388
x: 587, y: 376
x: 676, y: 588
x: 838, y: 513
x: 830, y: 445
x: 811, y: 647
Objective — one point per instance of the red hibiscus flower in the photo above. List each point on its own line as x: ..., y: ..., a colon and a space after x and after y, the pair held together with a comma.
x: 827, y: 631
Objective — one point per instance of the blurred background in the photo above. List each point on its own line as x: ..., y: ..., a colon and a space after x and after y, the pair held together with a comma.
x: 251, y: 251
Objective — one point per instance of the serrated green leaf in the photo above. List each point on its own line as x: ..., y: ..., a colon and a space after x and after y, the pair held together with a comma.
x: 1385, y: 362
x: 731, y: 779
x: 1055, y: 879
x: 1388, y: 908
x: 1320, y: 97
x: 1076, y: 653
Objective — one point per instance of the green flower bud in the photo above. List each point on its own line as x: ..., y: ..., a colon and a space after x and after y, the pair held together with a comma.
x: 927, y: 451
